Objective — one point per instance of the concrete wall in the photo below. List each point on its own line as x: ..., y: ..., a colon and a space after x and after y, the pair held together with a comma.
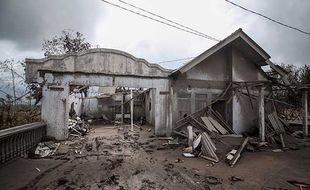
x: 209, y: 78
x: 200, y: 85
x: 244, y: 117
x: 109, y: 106
x: 214, y: 68
x: 161, y: 87
x: 106, y: 67
x: 55, y: 111
x: 100, y: 61
x: 244, y: 70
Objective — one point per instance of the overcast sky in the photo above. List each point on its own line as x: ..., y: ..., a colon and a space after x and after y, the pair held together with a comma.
x: 25, y: 24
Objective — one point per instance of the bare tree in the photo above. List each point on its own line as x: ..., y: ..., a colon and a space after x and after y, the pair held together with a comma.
x: 68, y: 42
x: 11, y: 76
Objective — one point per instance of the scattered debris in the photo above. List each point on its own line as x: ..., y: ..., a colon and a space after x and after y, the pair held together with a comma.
x: 208, y: 148
x: 210, y: 164
x: 213, y: 180
x: 298, y: 134
x: 78, y: 127
x: 277, y: 150
x: 38, y: 169
x: 188, y: 155
x: 89, y: 146
x: 179, y: 160
x: 196, y: 142
x: 298, y: 184
x: 234, y: 155
x: 235, y: 179
x: 173, y: 141
x: 188, y: 149
x: 45, y: 149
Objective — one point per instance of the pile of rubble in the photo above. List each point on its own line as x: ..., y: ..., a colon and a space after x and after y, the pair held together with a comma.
x: 203, y: 127
x: 78, y: 127
x: 46, y: 149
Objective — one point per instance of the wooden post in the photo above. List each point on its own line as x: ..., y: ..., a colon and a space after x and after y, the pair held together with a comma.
x: 261, y: 114
x: 305, y: 112
x: 122, y: 110
x: 190, y: 135
x: 131, y: 110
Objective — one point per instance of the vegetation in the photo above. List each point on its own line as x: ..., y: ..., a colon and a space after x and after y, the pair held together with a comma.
x: 68, y: 42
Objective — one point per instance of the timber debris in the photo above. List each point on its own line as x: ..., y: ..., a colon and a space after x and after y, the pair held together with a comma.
x: 78, y: 127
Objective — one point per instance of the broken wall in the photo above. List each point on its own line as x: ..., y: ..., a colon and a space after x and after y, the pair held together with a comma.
x: 105, y: 67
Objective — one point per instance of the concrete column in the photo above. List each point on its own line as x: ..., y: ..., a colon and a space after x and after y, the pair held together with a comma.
x: 160, y: 113
x: 170, y: 113
x: 190, y: 135
x: 55, y: 111
x: 131, y: 111
x: 305, y: 112
x: 122, y: 109
x: 261, y: 114
x: 193, y: 102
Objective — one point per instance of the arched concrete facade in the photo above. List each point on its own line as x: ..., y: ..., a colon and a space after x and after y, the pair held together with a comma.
x: 97, y: 67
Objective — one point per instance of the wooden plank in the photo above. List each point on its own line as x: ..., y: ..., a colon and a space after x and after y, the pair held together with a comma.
x: 205, y: 135
x: 198, y: 125
x: 273, y: 123
x: 179, y: 133
x: 208, y: 148
x: 238, y: 153
x: 280, y: 125
x: 209, y: 125
x: 282, y: 141
x: 220, y: 128
x: 226, y: 126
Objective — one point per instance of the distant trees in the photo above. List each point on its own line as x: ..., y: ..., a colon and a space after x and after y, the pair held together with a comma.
x: 297, y: 75
x: 12, y: 89
x: 67, y: 42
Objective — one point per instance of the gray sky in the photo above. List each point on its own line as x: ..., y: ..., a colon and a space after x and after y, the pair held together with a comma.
x: 25, y: 24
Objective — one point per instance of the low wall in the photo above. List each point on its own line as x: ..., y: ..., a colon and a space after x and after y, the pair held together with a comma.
x: 17, y: 141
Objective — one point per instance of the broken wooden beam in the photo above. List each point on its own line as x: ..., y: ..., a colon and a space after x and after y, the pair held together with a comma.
x: 238, y: 153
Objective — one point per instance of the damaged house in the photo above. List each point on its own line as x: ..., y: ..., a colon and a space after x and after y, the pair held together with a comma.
x: 228, y: 78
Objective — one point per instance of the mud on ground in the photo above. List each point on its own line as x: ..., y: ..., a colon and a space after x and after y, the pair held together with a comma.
x: 116, y: 158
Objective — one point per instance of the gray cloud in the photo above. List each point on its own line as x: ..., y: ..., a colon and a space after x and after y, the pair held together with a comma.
x: 28, y: 22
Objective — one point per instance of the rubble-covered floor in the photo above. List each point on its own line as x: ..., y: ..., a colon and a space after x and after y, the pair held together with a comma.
x: 114, y: 158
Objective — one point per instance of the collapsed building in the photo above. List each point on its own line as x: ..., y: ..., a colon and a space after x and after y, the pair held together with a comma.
x: 228, y: 78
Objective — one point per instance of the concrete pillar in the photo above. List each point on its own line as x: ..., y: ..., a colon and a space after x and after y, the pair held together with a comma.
x: 261, y: 114
x: 160, y: 112
x: 170, y: 113
x: 131, y: 111
x: 190, y: 135
x: 55, y: 111
x: 122, y: 109
x: 193, y: 102
x: 305, y: 112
